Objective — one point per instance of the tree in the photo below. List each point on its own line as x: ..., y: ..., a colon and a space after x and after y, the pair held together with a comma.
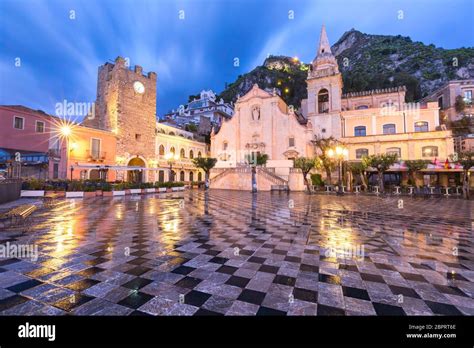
x: 206, y: 164
x: 415, y: 166
x: 259, y: 160
x: 305, y: 164
x: 382, y: 163
x: 359, y: 168
x: 466, y: 159
x: 323, y: 145
x: 459, y: 104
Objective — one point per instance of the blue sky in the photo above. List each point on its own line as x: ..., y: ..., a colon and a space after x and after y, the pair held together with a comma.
x: 59, y: 56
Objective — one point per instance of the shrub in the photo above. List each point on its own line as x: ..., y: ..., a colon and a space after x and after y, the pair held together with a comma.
x: 106, y: 187
x: 317, y: 180
x: 33, y: 184
x: 75, y: 186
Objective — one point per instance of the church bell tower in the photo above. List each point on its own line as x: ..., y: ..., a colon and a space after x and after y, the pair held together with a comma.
x: 324, y: 91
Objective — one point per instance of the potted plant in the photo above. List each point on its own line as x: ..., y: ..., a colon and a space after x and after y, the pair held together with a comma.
x: 32, y: 188
x: 75, y: 189
x: 118, y: 190
x: 135, y: 188
x: 148, y: 187
x: 89, y: 191
x: 106, y: 189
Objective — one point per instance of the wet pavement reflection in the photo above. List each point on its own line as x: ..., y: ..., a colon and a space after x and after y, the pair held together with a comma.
x: 238, y: 253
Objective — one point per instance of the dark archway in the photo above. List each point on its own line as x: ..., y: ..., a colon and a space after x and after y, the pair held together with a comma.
x: 136, y: 175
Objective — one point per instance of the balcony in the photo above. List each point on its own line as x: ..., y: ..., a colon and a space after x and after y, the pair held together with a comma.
x: 95, y: 156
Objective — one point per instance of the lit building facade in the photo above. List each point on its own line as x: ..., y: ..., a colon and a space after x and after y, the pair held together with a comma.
x: 369, y: 122
x: 446, y: 99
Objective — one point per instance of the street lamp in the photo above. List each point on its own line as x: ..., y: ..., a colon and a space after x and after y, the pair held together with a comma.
x: 65, y: 131
x: 340, y: 153
x: 171, y: 158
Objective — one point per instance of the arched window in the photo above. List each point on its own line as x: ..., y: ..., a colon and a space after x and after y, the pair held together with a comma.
x: 182, y: 154
x: 171, y: 133
x: 191, y: 154
x: 394, y: 150
x: 225, y: 144
x: 361, y: 153
x: 429, y: 151
x: 389, y: 128
x: 199, y: 154
x: 199, y: 176
x: 172, y: 150
x: 323, y: 101
x: 181, y: 176
x: 421, y: 126
x: 161, y: 176
x: 161, y: 150
x: 191, y: 176
x: 362, y: 107
x: 360, y: 131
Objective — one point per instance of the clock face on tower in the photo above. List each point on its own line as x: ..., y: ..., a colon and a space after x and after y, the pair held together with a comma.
x: 139, y: 87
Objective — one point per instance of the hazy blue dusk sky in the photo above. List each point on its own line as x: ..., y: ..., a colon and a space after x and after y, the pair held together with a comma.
x: 60, y: 56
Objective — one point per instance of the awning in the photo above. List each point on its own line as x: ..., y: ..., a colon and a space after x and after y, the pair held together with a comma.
x: 111, y: 167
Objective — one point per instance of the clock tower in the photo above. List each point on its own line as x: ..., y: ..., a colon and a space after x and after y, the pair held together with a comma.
x: 126, y: 106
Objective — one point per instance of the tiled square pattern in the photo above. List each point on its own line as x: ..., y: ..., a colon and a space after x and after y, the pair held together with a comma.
x: 234, y: 253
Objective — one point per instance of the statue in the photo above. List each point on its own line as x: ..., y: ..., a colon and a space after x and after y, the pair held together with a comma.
x: 256, y: 113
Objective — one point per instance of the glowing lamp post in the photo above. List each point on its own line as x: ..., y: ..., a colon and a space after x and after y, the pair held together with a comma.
x: 171, y: 158
x: 66, y: 132
x: 340, y: 153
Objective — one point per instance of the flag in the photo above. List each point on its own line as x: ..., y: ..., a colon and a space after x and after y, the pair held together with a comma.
x: 446, y: 164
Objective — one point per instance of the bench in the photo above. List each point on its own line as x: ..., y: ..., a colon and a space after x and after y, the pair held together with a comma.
x: 19, y: 215
x: 49, y: 199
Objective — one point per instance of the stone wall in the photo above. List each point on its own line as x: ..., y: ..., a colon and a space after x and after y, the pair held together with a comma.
x: 121, y: 109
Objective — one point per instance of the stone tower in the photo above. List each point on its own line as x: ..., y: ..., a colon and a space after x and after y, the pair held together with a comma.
x: 324, y: 91
x: 126, y: 105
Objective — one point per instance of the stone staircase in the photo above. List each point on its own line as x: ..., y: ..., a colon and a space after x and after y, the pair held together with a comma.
x: 278, y: 183
x: 240, y: 178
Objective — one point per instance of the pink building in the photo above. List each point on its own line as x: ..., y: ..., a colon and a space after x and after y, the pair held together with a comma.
x: 28, y: 132
x: 45, y: 152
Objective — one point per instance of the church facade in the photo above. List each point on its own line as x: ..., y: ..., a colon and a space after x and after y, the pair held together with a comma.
x: 369, y: 122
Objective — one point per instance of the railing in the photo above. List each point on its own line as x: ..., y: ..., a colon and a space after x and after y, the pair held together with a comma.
x: 272, y: 177
x: 96, y: 155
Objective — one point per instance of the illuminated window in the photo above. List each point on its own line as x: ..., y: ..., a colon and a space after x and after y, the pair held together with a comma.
x: 39, y: 127
x: 429, y: 151
x: 161, y: 150
x: 191, y: 154
x: 421, y: 126
x: 182, y: 153
x: 394, y: 151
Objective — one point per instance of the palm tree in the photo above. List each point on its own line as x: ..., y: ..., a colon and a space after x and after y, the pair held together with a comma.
x: 206, y: 164
x: 359, y: 168
x: 322, y: 146
x: 382, y: 163
x: 466, y: 159
x: 415, y: 166
x: 305, y: 164
x: 260, y: 160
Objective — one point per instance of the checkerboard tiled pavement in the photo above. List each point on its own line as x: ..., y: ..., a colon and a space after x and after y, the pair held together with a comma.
x: 233, y: 253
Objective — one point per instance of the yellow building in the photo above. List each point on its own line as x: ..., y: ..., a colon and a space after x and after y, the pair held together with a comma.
x: 175, y: 150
